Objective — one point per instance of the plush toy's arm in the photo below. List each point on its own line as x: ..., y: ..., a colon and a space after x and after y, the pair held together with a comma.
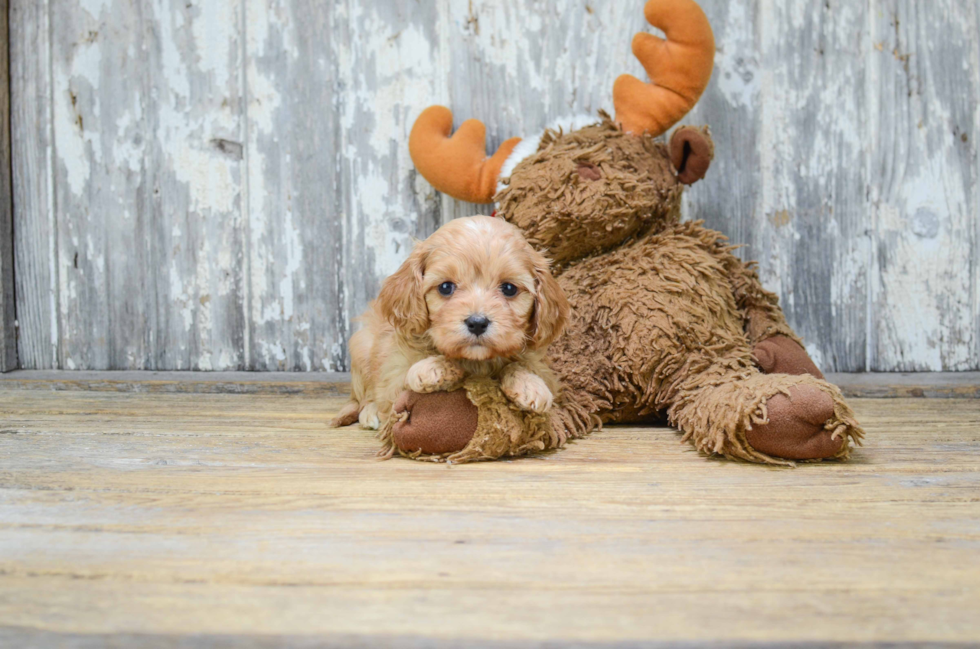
x: 776, y: 347
x: 759, y: 307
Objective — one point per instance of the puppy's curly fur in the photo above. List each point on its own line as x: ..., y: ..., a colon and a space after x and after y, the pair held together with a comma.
x: 415, y: 335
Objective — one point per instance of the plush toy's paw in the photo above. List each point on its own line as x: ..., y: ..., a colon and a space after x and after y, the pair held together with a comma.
x: 434, y: 374
x: 783, y: 355
x: 795, y: 428
x: 436, y: 423
x: 527, y: 391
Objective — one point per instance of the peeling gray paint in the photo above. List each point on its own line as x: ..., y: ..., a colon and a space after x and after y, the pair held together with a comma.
x: 223, y: 185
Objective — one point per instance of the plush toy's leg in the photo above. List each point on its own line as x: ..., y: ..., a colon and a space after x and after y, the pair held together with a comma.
x: 795, y: 429
x: 797, y: 418
x: 738, y: 412
x: 475, y: 423
x: 776, y: 348
x: 433, y: 423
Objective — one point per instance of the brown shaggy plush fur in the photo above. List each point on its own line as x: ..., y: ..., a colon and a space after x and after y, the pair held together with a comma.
x: 568, y: 216
x: 664, y: 317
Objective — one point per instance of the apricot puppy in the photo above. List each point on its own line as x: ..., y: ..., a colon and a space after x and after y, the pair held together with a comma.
x: 474, y: 299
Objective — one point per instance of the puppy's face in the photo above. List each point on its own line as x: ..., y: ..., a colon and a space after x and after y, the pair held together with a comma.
x: 480, y: 296
x: 478, y: 289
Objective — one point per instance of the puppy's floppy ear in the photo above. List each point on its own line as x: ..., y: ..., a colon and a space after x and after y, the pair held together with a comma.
x: 401, y: 300
x: 550, y: 304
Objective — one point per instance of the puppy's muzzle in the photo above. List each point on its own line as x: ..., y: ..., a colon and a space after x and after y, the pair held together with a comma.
x: 477, y: 324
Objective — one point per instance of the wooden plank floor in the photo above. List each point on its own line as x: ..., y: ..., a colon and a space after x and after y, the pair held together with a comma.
x: 217, y: 519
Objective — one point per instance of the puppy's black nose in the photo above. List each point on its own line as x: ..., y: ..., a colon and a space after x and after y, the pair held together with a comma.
x: 477, y: 324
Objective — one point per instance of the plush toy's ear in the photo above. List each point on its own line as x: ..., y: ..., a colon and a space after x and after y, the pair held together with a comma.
x: 691, y: 153
x: 551, y: 307
x: 401, y: 300
x: 679, y: 68
x: 456, y: 165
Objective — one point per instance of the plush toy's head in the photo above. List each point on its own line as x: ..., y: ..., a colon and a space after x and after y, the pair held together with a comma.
x: 588, y: 187
x: 589, y: 190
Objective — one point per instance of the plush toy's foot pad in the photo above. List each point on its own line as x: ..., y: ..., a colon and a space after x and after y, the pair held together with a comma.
x: 436, y: 423
x: 795, y: 428
x: 783, y: 355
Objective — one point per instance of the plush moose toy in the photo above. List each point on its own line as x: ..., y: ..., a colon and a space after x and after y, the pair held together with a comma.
x: 664, y: 318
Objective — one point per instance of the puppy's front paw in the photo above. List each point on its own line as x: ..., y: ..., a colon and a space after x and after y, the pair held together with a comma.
x: 368, y: 417
x: 433, y: 374
x: 528, y: 391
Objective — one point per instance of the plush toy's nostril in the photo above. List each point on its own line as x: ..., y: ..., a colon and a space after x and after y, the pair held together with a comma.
x: 589, y: 171
x: 477, y: 324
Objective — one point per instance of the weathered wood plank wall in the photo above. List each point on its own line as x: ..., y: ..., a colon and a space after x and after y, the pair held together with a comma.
x: 8, y: 330
x: 223, y: 185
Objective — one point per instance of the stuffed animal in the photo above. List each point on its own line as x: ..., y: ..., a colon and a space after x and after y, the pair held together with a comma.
x: 665, y: 320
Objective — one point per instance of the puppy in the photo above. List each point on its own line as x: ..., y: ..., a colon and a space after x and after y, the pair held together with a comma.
x: 473, y: 299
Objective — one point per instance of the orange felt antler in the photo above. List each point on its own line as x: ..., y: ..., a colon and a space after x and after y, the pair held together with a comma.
x: 456, y: 165
x: 679, y: 68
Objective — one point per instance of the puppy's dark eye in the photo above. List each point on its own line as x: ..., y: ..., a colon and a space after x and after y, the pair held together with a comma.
x: 508, y: 289
x: 447, y: 288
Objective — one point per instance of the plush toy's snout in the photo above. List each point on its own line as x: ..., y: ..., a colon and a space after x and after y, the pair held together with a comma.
x: 587, y: 171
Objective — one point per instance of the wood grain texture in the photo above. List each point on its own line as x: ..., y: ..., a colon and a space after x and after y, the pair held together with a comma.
x: 8, y: 316
x: 212, y: 516
x: 35, y: 233
x: 923, y: 97
x: 810, y: 227
x: 224, y: 185
x: 147, y: 114
x: 295, y: 219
